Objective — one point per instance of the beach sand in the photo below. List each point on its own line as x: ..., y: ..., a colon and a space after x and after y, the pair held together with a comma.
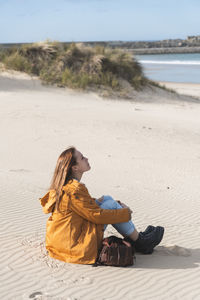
x: 191, y: 89
x: 146, y: 154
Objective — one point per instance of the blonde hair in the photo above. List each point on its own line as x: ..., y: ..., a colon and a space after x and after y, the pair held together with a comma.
x: 63, y: 173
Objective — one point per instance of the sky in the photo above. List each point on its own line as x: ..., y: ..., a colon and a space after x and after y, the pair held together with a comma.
x: 97, y: 20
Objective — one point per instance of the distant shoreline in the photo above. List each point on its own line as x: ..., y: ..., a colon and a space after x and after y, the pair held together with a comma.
x: 172, y: 50
x: 170, y: 46
x: 183, y: 88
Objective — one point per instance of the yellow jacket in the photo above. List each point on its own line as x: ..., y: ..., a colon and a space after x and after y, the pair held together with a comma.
x: 75, y: 233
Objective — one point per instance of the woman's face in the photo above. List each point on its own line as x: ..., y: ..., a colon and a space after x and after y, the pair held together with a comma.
x: 82, y: 164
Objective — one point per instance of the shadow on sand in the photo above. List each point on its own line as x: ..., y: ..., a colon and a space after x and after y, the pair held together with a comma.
x: 169, y: 257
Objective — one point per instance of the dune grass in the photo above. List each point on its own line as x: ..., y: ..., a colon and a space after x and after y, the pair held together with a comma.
x: 75, y: 65
x: 162, y: 86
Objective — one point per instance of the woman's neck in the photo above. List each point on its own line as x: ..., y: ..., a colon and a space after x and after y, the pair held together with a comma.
x: 77, y: 177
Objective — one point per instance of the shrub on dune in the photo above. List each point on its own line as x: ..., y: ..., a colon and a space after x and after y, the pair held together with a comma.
x: 77, y: 66
x: 17, y: 62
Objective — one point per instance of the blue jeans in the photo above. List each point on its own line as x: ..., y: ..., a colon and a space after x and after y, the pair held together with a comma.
x: 125, y: 228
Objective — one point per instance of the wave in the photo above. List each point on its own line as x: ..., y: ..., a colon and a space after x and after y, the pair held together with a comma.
x: 170, y: 62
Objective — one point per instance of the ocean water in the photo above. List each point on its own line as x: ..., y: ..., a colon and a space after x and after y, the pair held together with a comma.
x: 171, y: 67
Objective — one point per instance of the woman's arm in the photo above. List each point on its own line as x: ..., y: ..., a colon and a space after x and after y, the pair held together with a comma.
x: 83, y: 204
x: 124, y: 205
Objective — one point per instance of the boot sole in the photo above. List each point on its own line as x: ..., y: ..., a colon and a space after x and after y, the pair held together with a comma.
x: 160, y: 232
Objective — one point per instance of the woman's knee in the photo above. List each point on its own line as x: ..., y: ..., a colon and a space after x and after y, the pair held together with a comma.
x: 109, y: 203
x: 107, y: 197
x: 110, y: 199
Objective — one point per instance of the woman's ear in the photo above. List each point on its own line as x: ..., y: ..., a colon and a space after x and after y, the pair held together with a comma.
x: 74, y: 168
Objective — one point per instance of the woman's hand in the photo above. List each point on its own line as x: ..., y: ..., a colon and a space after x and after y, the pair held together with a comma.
x: 123, y: 205
x: 130, y: 210
x: 100, y: 199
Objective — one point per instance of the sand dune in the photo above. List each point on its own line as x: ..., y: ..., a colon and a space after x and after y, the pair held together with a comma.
x: 146, y: 154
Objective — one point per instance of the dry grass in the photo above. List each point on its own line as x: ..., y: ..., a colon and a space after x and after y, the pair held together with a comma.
x: 75, y: 65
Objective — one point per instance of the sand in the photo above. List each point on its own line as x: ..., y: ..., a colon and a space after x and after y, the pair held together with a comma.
x: 146, y: 154
x: 192, y: 89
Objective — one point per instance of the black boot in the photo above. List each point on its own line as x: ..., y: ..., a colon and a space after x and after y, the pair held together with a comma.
x: 148, y: 229
x: 146, y: 242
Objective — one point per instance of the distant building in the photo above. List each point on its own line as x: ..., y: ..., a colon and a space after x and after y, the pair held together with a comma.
x: 193, y: 38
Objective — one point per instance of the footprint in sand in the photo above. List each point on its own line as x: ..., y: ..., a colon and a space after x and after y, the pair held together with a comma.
x: 19, y: 170
x: 173, y: 250
x: 35, y: 295
x: 144, y: 127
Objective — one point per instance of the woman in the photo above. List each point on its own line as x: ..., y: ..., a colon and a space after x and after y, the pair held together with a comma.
x: 77, y: 222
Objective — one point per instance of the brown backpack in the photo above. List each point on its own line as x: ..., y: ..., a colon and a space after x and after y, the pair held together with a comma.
x: 115, y: 252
